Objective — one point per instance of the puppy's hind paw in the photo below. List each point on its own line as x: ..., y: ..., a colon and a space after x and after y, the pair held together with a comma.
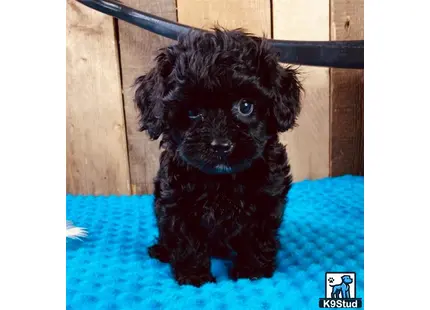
x: 195, y: 279
x: 250, y: 273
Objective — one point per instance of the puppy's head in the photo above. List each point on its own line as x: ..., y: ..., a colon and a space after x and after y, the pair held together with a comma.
x: 218, y: 97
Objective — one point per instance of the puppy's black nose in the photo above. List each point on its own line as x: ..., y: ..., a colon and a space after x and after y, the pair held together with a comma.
x: 222, y: 146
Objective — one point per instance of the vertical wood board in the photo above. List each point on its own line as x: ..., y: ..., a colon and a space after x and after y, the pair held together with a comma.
x: 308, y: 144
x: 138, y: 48
x: 252, y: 15
x: 96, y: 143
x: 347, y: 94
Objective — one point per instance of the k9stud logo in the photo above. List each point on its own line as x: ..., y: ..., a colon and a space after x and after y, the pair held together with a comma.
x: 340, y: 290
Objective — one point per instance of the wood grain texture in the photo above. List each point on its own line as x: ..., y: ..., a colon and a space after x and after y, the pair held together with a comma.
x: 308, y: 144
x: 252, y: 15
x: 347, y: 94
x: 96, y: 143
x: 138, y: 48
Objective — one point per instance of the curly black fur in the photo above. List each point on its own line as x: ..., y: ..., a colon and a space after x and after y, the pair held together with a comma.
x: 215, y: 198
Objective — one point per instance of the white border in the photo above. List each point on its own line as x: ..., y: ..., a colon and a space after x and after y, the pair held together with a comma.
x: 32, y: 156
x: 397, y: 158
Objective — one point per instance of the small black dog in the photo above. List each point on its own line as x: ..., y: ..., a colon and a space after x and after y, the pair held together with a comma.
x: 219, y: 100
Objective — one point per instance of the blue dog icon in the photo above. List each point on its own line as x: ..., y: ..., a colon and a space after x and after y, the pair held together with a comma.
x: 341, y: 288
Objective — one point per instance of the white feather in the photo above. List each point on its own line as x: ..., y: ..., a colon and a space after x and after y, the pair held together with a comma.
x: 74, y: 232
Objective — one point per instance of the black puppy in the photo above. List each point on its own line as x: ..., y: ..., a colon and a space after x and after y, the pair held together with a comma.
x: 219, y: 100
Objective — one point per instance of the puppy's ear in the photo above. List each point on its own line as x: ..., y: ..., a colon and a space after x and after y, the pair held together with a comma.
x: 151, y: 88
x: 287, y: 105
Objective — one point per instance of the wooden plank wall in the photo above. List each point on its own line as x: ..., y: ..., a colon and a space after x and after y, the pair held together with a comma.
x: 308, y: 144
x: 137, y: 49
x: 97, y: 160
x: 101, y: 121
x: 347, y: 94
x: 253, y: 15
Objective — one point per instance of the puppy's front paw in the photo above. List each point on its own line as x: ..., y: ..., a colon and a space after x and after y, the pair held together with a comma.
x: 251, y: 272
x: 159, y: 252
x: 194, y: 279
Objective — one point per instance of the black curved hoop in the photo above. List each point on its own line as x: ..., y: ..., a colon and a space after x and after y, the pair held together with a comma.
x: 335, y: 54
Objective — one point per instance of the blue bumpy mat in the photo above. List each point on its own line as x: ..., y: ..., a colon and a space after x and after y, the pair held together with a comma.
x: 323, y: 231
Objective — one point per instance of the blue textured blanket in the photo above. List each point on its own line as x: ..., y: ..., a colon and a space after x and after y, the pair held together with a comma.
x: 322, y: 232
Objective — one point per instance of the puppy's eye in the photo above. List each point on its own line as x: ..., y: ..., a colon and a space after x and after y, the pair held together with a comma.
x: 193, y: 114
x: 245, y: 107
